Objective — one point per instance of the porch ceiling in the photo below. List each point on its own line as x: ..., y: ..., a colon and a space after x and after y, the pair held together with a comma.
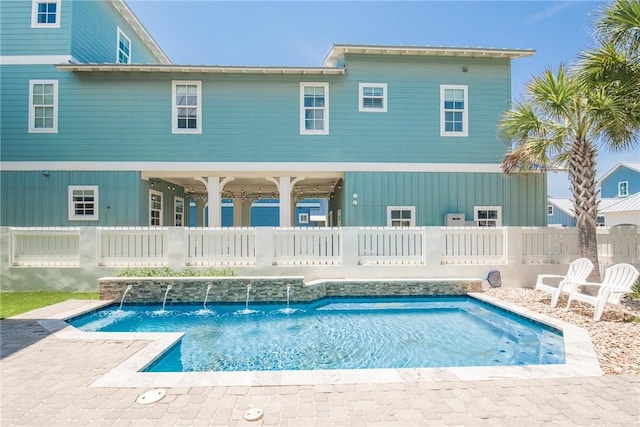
x: 250, y: 184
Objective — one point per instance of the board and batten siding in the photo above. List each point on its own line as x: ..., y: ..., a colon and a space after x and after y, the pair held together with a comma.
x: 609, y: 186
x: 256, y: 118
x: 40, y: 198
x: 561, y: 217
x: 95, y: 34
x: 523, y: 197
x: 18, y: 38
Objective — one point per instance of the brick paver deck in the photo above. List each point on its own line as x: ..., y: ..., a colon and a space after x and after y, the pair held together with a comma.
x: 46, y: 381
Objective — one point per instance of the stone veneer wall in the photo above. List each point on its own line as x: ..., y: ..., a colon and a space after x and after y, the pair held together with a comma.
x: 272, y: 289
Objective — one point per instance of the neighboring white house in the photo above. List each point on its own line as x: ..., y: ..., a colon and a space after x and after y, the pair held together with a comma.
x: 624, y: 212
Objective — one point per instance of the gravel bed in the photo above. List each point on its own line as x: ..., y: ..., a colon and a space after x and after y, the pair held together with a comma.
x: 616, y: 341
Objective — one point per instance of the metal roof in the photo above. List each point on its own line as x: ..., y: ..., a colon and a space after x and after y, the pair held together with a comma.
x: 339, y: 50
x: 216, y: 69
x: 627, y: 204
x: 565, y: 204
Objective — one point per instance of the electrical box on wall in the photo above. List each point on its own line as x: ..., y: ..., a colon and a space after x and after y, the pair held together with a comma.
x: 454, y: 220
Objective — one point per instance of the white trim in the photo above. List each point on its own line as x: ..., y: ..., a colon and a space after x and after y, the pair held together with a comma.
x: 161, y: 210
x: 412, y: 220
x: 71, y: 205
x: 550, y: 209
x: 201, y: 69
x: 34, y: 14
x: 36, y: 59
x: 498, y: 219
x: 174, y: 107
x: 633, y: 166
x: 121, y: 34
x: 626, y: 186
x: 31, y: 114
x: 385, y: 98
x: 325, y: 109
x: 222, y: 168
x: 465, y: 111
x: 177, y: 199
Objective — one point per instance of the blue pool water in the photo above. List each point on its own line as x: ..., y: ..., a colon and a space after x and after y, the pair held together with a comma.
x: 337, y: 334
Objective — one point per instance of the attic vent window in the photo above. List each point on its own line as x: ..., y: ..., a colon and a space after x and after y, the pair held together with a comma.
x: 45, y: 14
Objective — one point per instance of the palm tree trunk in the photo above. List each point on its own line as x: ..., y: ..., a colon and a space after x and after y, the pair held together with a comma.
x: 582, y: 172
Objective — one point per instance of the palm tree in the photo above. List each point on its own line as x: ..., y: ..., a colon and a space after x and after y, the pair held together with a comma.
x: 554, y: 125
x: 564, y: 116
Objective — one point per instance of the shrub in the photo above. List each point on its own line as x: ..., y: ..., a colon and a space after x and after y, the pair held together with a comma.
x: 168, y: 272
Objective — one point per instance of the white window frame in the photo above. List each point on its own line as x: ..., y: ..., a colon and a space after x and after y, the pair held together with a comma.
x: 485, y: 222
x: 600, y: 221
x: 621, y: 185
x: 550, y: 210
x: 198, y: 106
x: 34, y: 14
x: 178, y: 217
x: 73, y: 216
x: 390, y: 220
x: 151, y: 194
x: 465, y: 111
x: 123, y: 36
x: 384, y: 97
x: 303, y: 218
x: 32, y: 107
x: 325, y: 121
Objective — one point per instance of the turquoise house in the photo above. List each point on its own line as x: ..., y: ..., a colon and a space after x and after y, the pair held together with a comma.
x: 621, y: 181
x: 100, y: 128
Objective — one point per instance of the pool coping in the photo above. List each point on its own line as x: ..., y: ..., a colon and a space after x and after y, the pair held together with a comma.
x: 580, y: 359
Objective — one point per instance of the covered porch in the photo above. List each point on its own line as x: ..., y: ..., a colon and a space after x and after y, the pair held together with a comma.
x: 208, y: 189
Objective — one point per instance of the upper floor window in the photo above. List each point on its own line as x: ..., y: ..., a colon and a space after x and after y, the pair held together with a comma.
x: 623, y: 188
x: 373, y: 97
x: 83, y: 203
x: 124, y: 48
x: 453, y: 110
x: 487, y: 216
x: 314, y: 108
x: 43, y: 106
x: 187, y: 106
x: 401, y: 216
x: 45, y: 14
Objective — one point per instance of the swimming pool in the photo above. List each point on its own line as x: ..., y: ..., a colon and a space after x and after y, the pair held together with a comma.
x: 332, y: 333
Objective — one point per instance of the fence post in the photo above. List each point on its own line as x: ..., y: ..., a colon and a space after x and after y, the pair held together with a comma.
x: 513, y: 249
x: 88, y: 247
x: 264, y: 247
x: 349, y: 250
x: 176, y: 248
x: 432, y: 251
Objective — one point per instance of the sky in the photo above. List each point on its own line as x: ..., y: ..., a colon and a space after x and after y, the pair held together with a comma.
x: 301, y: 33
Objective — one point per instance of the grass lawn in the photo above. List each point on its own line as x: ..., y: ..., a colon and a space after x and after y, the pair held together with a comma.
x: 12, y: 303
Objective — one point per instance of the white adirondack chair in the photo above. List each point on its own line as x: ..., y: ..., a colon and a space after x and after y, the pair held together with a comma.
x: 579, y: 270
x: 618, y: 280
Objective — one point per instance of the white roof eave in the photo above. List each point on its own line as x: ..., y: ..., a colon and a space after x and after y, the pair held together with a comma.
x: 215, y: 69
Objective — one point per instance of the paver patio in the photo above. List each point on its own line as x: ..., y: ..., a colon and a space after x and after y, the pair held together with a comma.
x: 47, y: 381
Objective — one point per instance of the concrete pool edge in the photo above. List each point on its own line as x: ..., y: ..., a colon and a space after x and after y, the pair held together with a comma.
x: 581, y: 359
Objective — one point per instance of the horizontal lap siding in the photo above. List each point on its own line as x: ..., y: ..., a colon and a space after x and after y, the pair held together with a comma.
x: 127, y: 117
x: 522, y: 197
x: 18, y: 38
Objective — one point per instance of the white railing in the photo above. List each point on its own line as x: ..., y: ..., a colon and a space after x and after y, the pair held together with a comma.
x: 473, y: 245
x: 221, y: 246
x: 307, y: 246
x: 544, y: 245
x: 45, y: 247
x: 384, y: 245
x: 132, y: 246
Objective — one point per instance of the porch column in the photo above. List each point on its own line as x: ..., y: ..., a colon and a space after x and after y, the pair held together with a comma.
x: 215, y: 186
x: 245, y: 220
x: 237, y: 212
x: 285, y: 185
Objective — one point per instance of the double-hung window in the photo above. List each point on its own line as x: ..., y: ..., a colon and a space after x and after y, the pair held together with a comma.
x: 45, y: 14
x: 178, y: 213
x: 372, y: 97
x: 187, y: 106
x: 623, y: 188
x: 83, y: 202
x: 488, y: 216
x: 123, y: 54
x: 454, y: 110
x: 155, y: 208
x: 314, y: 108
x: 401, y: 216
x: 43, y: 106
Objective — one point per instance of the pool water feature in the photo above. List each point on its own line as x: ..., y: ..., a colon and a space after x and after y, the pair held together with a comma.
x: 345, y: 333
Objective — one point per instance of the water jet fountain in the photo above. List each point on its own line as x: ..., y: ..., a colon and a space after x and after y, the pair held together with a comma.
x: 124, y: 295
